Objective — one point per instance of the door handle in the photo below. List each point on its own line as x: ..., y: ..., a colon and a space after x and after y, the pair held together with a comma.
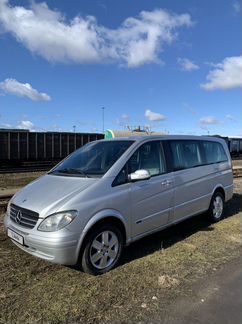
x: 169, y: 182
x: 166, y: 182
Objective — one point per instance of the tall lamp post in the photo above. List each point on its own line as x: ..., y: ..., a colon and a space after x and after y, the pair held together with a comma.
x: 103, y: 108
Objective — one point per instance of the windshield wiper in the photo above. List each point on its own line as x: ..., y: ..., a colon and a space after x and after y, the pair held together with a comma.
x: 71, y: 171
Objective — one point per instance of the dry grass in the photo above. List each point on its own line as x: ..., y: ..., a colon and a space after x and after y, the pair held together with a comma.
x: 152, y: 273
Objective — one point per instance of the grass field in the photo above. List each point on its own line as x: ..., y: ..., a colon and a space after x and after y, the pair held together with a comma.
x: 152, y: 273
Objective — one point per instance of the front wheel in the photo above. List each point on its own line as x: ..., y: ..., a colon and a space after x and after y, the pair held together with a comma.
x: 216, y: 207
x: 102, y: 249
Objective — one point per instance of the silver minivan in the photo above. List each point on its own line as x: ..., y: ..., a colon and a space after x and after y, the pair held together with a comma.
x: 112, y: 192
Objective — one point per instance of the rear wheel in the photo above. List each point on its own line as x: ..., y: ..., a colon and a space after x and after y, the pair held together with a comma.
x: 216, y: 207
x: 102, y: 249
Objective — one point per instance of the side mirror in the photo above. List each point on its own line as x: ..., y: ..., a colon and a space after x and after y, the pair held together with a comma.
x: 139, y: 175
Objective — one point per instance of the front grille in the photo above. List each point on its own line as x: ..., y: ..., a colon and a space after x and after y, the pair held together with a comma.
x: 24, y: 217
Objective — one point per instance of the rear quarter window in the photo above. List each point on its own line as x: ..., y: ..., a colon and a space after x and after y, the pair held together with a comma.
x: 214, y: 152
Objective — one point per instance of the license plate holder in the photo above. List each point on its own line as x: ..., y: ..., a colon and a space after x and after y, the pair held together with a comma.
x: 15, y: 236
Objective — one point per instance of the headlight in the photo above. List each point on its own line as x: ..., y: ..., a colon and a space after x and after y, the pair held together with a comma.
x: 57, y: 221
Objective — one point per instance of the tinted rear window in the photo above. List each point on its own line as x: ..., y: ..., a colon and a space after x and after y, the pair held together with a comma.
x: 186, y: 154
x: 214, y: 152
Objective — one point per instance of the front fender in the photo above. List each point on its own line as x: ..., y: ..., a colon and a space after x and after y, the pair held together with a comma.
x: 102, y: 215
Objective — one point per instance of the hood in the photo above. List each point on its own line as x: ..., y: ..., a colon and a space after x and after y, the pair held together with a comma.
x: 48, y: 193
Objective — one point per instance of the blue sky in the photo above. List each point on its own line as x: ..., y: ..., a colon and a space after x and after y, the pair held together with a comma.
x: 173, y: 66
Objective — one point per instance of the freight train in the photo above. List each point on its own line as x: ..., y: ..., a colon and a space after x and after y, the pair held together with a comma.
x: 234, y: 145
x: 22, y: 147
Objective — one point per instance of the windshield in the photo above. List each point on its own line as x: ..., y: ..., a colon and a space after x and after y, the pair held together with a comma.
x: 93, y: 159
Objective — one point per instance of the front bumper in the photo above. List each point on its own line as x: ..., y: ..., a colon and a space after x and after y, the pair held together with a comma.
x: 58, y: 247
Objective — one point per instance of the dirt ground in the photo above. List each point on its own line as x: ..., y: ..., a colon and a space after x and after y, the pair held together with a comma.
x: 237, y: 163
x: 153, y: 272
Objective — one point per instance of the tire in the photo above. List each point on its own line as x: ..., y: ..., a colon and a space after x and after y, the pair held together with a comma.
x: 216, y: 207
x: 102, y: 249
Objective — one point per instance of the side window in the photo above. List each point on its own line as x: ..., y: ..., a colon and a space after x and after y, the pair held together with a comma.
x: 121, y: 178
x: 214, y: 152
x: 149, y: 156
x: 186, y: 154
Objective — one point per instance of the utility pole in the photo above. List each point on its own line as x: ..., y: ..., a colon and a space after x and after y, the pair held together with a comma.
x: 103, y: 108
x: 74, y: 128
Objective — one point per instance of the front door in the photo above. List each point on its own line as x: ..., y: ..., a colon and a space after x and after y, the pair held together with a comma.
x: 152, y: 199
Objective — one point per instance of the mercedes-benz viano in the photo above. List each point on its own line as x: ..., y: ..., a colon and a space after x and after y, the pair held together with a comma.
x: 110, y: 193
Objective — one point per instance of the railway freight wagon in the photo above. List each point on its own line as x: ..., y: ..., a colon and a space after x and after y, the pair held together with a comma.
x: 234, y: 145
x: 20, y: 147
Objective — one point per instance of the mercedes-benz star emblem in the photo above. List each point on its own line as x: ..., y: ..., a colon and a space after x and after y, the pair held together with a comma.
x: 18, y: 217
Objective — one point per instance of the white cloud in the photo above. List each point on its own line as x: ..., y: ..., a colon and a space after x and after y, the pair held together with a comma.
x: 138, y: 40
x: 123, y: 120
x: 230, y: 118
x: 226, y: 75
x: 26, y: 124
x: 187, y: 65
x: 237, y: 6
x: 57, y: 128
x: 16, y: 88
x: 6, y: 125
x: 209, y: 120
x: 153, y: 116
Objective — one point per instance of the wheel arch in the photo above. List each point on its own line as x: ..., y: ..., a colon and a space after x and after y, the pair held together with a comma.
x: 214, y: 214
x: 219, y: 188
x: 107, y: 216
